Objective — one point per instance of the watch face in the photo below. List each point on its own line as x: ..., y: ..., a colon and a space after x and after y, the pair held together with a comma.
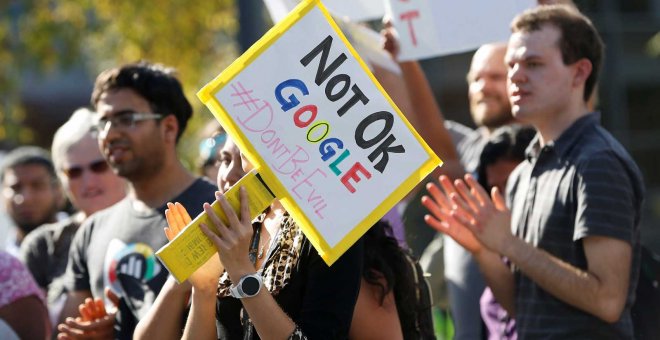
x: 250, y: 286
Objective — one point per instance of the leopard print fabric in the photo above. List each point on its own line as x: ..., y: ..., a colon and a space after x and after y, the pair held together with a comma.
x: 281, y: 261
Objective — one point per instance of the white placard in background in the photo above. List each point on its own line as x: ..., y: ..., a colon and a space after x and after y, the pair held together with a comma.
x: 431, y: 28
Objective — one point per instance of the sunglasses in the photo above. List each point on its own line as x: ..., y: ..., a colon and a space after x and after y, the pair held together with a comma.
x: 98, y: 167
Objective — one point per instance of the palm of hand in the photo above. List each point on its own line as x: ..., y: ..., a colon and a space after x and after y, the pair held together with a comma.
x: 177, y: 219
x: 492, y: 227
x: 486, y: 216
x: 441, y: 218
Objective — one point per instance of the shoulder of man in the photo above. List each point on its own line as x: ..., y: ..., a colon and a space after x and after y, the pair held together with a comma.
x: 457, y: 131
x: 598, y: 144
x: 202, y: 190
x: 45, y: 235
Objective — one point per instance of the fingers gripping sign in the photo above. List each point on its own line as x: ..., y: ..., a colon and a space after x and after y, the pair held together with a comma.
x: 233, y: 240
x: 391, y: 40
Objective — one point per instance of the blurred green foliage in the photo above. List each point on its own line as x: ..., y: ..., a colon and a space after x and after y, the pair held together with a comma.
x: 42, y: 36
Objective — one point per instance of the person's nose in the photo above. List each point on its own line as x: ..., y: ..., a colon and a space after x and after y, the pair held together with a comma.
x: 234, y: 174
x: 516, y: 74
x: 478, y: 86
x: 109, y: 133
x: 88, y: 177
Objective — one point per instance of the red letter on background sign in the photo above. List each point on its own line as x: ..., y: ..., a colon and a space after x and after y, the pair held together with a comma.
x: 352, y: 173
x: 409, y: 16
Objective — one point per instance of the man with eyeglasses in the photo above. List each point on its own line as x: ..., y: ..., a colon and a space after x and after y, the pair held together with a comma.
x: 141, y: 113
x: 31, y: 192
x: 90, y: 185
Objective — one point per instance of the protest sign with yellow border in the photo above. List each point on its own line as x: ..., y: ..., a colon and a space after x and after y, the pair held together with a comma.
x: 346, y: 155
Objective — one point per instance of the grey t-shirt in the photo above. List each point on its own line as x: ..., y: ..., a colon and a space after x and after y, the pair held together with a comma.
x: 116, y: 248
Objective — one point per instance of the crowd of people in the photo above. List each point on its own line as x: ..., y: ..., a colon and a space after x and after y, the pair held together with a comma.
x: 529, y: 230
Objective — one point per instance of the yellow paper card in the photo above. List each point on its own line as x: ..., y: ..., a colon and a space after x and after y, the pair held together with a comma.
x: 191, y: 248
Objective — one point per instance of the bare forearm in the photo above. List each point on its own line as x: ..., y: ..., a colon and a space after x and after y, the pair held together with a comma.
x: 268, y: 318
x: 427, y: 114
x: 73, y: 300
x: 499, y: 278
x: 574, y: 286
x: 165, y: 318
x: 201, y: 320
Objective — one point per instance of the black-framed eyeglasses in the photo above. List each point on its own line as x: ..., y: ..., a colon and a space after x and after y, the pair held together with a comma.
x: 125, y: 120
x: 98, y: 167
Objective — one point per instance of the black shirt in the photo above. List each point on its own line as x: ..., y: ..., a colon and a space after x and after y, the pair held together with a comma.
x: 318, y: 298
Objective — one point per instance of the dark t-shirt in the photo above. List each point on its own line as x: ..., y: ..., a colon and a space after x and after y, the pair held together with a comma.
x: 116, y: 248
x: 45, y: 251
x: 318, y: 298
x: 583, y: 184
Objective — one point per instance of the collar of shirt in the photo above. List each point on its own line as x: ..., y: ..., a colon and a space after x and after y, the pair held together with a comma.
x: 566, y: 140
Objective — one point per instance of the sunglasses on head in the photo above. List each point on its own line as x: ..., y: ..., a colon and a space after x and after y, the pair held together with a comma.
x: 97, y: 167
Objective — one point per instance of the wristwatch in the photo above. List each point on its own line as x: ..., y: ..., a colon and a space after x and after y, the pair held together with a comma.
x: 248, y: 286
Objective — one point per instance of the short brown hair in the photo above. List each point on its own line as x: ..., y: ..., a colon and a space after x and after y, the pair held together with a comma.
x: 579, y: 38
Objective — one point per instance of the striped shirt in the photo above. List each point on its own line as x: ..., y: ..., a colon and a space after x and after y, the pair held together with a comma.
x: 583, y: 184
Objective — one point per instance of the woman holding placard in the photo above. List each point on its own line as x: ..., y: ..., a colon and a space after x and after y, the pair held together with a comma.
x: 273, y: 284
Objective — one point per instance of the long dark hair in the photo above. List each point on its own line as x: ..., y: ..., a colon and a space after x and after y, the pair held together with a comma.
x: 386, y: 266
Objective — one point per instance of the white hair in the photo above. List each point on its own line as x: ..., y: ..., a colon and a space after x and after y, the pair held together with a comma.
x: 79, y: 126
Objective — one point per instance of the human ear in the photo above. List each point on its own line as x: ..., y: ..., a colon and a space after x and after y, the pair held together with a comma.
x: 583, y: 68
x: 170, y: 128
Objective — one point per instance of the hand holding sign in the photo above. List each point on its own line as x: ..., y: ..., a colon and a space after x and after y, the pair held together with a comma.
x: 190, y: 249
x: 232, y: 240
x: 391, y: 43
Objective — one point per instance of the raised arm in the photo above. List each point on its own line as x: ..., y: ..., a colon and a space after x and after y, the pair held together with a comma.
x: 424, y: 113
x: 233, y: 243
x: 164, y: 319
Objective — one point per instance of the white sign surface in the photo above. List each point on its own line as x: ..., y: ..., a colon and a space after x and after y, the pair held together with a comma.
x: 321, y: 131
x: 430, y: 28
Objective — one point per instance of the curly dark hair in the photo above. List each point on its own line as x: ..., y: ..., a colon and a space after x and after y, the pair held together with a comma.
x: 384, y: 259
